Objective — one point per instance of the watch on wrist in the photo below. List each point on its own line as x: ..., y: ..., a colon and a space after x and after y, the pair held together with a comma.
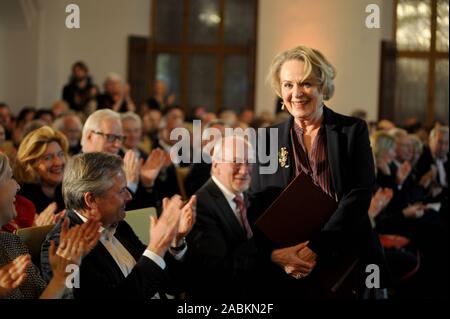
x: 180, y: 247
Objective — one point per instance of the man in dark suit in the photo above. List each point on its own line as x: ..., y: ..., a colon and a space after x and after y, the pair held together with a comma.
x: 433, y: 235
x: 436, y: 156
x: 120, y: 266
x: 222, y: 253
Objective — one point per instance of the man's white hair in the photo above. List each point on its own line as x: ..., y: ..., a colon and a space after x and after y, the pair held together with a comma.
x: 59, y: 123
x: 113, y: 77
x: 227, y: 146
x: 133, y: 117
x: 93, y: 122
x: 397, y: 133
x: 439, y: 129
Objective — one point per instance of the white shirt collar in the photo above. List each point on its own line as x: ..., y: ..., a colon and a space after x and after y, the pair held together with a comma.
x: 397, y: 163
x: 229, y: 195
x: 107, y: 233
x: 441, y: 159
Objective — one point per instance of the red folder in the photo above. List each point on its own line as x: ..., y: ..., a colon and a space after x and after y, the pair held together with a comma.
x: 298, y: 213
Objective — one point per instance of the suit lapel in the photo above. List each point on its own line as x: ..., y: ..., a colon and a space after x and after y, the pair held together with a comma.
x: 226, y: 214
x: 128, y: 239
x: 331, y: 128
x: 73, y: 218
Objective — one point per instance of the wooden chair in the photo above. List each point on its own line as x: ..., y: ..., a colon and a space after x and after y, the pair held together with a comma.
x: 33, y: 237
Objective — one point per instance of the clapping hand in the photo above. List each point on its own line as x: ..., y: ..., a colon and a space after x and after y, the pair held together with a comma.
x: 163, y: 230
x: 429, y: 177
x: 150, y: 169
x: 75, y: 243
x: 379, y: 201
x: 187, y: 220
x: 414, y: 211
x: 131, y: 167
x: 47, y: 216
x: 403, y: 172
x: 12, y: 275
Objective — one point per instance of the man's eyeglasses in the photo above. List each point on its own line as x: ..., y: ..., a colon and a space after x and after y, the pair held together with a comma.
x: 110, y: 138
x: 237, y: 166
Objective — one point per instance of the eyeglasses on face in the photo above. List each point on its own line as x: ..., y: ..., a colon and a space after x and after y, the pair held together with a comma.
x: 237, y: 166
x: 110, y: 138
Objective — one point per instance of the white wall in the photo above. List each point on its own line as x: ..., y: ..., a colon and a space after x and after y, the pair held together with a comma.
x: 337, y: 29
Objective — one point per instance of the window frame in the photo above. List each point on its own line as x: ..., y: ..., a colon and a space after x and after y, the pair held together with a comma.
x: 432, y: 55
x: 220, y: 50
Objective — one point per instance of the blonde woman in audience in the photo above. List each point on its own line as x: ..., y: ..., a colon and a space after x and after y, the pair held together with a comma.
x: 383, y: 148
x: 39, y: 167
x: 19, y: 277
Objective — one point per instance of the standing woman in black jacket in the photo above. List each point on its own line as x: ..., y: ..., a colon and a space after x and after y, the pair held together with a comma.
x: 333, y: 150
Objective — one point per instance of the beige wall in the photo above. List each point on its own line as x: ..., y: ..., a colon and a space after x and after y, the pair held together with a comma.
x: 337, y: 28
x: 18, y: 56
x: 101, y: 40
x: 37, y: 60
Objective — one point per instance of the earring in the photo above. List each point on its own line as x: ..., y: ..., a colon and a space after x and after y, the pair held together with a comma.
x: 282, y: 106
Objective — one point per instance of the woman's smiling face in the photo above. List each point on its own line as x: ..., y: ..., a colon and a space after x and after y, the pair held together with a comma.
x: 302, y: 98
x: 50, y: 165
x: 8, y: 191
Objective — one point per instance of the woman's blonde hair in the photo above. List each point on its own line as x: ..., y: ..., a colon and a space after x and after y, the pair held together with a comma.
x: 381, y: 142
x: 31, y: 149
x: 315, y: 63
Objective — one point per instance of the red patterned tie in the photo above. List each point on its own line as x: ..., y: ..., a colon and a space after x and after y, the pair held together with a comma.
x: 243, y: 213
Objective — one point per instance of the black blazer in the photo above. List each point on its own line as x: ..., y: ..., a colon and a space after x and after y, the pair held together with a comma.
x: 198, y: 175
x: 101, y: 277
x: 220, y: 257
x: 348, y: 231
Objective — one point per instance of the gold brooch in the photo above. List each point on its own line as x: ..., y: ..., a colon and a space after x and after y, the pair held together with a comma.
x: 282, y: 156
